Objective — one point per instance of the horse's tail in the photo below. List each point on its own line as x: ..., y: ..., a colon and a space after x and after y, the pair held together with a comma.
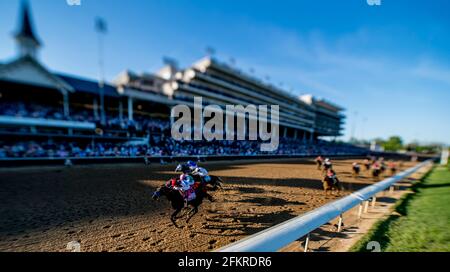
x: 217, y: 181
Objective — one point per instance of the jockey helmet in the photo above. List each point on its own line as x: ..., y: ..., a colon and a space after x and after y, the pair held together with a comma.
x: 186, y: 178
x: 192, y: 165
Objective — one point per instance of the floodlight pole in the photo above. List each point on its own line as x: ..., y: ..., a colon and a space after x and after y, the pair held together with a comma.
x: 101, y: 83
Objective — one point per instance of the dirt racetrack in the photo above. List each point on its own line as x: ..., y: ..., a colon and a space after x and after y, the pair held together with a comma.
x: 109, y: 207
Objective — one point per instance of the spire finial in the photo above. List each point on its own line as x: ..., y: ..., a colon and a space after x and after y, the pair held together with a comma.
x: 27, y: 41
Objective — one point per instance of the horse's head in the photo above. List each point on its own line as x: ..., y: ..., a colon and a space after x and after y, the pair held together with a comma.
x: 162, y: 191
x: 183, y: 168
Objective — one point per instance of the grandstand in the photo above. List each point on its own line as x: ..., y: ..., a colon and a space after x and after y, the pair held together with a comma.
x: 46, y: 114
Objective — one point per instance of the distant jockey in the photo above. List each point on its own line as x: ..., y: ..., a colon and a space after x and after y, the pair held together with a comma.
x: 383, y: 166
x: 356, y: 168
x: 319, y: 162
x: 367, y: 164
x: 332, y: 175
x: 393, y: 167
x: 376, y: 166
x: 327, y: 165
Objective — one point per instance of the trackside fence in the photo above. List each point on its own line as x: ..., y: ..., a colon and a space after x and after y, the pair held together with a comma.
x: 277, y: 237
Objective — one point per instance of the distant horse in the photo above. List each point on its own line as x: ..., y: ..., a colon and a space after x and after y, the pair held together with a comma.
x: 376, y: 173
x: 367, y: 164
x: 393, y: 169
x: 331, y: 183
x: 319, y: 162
x: 356, y: 169
x: 383, y: 168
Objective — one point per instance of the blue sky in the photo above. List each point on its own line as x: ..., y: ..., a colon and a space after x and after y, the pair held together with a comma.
x: 389, y: 65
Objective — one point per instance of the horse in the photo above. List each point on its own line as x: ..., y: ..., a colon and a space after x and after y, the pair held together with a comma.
x: 177, y: 200
x: 330, y: 183
x: 393, y: 169
x: 376, y: 172
x: 367, y: 164
x: 356, y: 170
x: 383, y: 168
x: 215, y: 183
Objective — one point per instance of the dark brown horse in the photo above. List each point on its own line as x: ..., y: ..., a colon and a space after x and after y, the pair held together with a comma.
x: 330, y: 183
x: 177, y: 200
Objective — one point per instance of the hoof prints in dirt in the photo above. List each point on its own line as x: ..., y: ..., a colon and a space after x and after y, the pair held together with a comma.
x: 254, y: 197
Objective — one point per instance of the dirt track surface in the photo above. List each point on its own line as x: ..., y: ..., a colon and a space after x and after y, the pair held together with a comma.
x: 109, y: 207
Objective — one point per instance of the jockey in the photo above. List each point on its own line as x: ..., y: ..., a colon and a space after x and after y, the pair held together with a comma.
x: 367, y: 164
x: 332, y: 175
x: 327, y: 165
x: 376, y: 166
x: 199, y: 171
x: 185, y: 186
x: 392, y: 165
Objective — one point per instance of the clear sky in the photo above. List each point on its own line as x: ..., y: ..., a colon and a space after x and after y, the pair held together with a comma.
x: 388, y: 65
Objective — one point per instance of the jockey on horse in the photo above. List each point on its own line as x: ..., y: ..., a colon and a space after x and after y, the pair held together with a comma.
x: 186, y: 187
x: 331, y: 174
x: 319, y: 162
x: 356, y: 169
x: 327, y: 165
x: 367, y: 164
x: 192, y: 175
x: 199, y: 174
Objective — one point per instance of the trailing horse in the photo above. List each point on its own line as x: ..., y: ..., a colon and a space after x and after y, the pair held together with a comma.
x: 356, y: 169
x: 376, y: 173
x: 331, y: 183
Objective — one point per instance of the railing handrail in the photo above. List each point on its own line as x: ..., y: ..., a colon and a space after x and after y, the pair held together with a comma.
x: 279, y: 236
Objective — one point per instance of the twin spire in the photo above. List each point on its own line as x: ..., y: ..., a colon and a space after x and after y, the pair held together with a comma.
x: 27, y: 42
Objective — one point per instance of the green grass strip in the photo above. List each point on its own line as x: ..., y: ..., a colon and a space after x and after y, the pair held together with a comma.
x: 423, y: 223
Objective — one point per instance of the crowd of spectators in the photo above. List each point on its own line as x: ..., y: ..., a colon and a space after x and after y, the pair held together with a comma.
x: 31, y: 110
x: 169, y: 147
x: 142, y: 126
x: 20, y: 109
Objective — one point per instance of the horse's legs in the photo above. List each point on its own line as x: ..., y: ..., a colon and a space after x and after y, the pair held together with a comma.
x: 209, y: 197
x: 191, y: 214
x: 173, y: 217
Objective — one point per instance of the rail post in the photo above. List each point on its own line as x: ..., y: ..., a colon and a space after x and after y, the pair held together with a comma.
x: 360, y: 210
x: 366, y: 206
x: 340, y: 223
x: 374, y: 201
x: 391, y: 189
x: 307, y: 242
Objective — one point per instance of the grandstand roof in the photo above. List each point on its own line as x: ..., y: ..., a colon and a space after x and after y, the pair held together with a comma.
x: 207, y: 62
x: 88, y: 86
x: 310, y: 99
x: 19, y: 70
